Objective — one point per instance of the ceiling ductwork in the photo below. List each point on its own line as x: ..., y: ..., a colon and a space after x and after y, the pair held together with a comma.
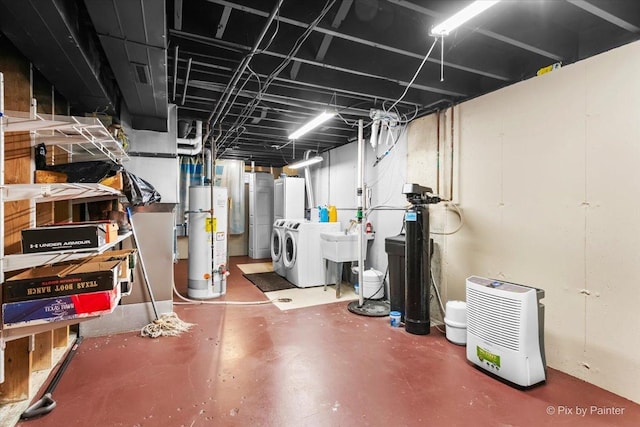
x: 58, y: 39
x: 133, y: 36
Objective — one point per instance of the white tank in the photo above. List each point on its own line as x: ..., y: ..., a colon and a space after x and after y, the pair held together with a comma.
x: 207, y: 242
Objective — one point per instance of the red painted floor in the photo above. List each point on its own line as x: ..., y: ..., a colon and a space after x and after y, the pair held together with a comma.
x: 316, y: 366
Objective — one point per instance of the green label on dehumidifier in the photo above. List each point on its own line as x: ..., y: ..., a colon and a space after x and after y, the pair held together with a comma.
x: 489, y: 357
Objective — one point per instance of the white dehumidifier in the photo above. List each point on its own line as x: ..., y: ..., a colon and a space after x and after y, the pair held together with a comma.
x: 505, y: 330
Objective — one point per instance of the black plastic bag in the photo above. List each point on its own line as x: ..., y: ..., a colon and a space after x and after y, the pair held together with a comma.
x: 138, y: 191
x: 87, y: 172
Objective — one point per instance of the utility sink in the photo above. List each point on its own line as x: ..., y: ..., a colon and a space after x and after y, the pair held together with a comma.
x: 337, y: 246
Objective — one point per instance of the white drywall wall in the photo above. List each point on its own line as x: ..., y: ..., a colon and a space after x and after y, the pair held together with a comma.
x: 547, y: 174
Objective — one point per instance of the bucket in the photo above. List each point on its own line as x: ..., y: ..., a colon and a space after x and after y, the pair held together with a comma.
x: 372, y: 284
x: 455, y: 321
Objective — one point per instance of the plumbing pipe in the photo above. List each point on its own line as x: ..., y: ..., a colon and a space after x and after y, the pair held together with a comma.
x: 307, y: 180
x: 359, y: 203
x: 207, y: 165
x: 195, y: 143
x: 186, y: 82
x: 374, y: 133
x: 231, y: 86
x: 175, y: 72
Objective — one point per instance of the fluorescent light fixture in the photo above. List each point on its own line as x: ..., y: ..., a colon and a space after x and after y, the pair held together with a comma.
x: 474, y: 9
x: 323, y: 117
x: 306, y: 162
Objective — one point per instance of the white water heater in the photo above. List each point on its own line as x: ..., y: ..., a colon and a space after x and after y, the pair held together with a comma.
x: 505, y: 330
x: 207, y: 277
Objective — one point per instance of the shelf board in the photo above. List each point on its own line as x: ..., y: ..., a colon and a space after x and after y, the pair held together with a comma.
x: 55, y: 192
x: 16, y: 332
x: 84, y: 138
x: 22, y: 261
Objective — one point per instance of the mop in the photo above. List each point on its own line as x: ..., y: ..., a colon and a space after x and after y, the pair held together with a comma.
x: 166, y: 324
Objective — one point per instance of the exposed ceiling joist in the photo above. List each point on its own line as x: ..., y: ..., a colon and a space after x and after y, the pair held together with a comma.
x: 603, y: 14
x: 362, y: 41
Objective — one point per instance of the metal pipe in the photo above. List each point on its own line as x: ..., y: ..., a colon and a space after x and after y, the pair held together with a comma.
x: 307, y: 179
x: 438, y: 152
x: 207, y: 165
x: 359, y: 202
x: 175, y: 73
x: 195, y: 143
x: 451, y: 156
x: 222, y: 102
x: 186, y: 82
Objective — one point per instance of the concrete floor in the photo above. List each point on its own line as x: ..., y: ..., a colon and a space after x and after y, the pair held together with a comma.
x: 314, y: 366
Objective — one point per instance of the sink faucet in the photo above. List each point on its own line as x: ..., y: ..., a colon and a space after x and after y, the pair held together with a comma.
x: 352, y: 223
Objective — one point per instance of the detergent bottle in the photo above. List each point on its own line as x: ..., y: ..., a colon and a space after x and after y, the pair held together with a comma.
x: 324, y: 213
x: 333, y: 214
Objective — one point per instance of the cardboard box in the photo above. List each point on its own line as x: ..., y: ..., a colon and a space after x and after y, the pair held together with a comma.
x: 127, y: 258
x: 114, y: 181
x: 111, y: 232
x: 60, y: 280
x: 47, y: 310
x: 63, y: 237
x: 49, y: 177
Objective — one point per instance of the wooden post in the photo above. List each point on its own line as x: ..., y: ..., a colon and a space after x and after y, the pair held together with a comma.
x: 42, y: 351
x: 60, y: 337
x: 17, y: 365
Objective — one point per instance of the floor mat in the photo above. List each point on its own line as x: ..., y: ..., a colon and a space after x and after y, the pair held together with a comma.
x: 256, y: 267
x: 269, y: 281
x: 309, y: 297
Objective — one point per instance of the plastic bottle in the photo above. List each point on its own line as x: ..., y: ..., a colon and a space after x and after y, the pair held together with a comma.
x: 324, y: 214
x: 356, y: 288
x: 333, y: 214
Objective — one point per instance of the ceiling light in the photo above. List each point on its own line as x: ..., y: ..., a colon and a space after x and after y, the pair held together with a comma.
x: 317, y: 121
x: 474, y: 9
x: 305, y: 162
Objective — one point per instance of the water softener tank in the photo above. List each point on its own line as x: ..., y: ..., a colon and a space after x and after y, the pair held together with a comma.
x: 416, y: 316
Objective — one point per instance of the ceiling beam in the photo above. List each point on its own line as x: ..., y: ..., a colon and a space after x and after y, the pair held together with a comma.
x: 487, y: 33
x: 222, y: 25
x: 295, y: 84
x: 603, y: 14
x: 362, y: 41
x: 425, y: 88
x: 177, y: 14
x: 342, y: 12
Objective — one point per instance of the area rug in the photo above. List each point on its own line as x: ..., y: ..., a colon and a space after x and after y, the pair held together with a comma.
x: 256, y: 267
x: 269, y: 281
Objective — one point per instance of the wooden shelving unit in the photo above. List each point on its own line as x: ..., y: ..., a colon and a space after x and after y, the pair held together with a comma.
x: 82, y: 138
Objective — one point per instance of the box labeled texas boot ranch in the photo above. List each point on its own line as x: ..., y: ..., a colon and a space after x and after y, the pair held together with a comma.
x: 96, y: 273
x: 46, y: 310
x: 80, y: 288
x: 60, y: 280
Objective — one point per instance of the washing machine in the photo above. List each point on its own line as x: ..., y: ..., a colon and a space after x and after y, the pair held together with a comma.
x: 301, y: 255
x: 277, y: 237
